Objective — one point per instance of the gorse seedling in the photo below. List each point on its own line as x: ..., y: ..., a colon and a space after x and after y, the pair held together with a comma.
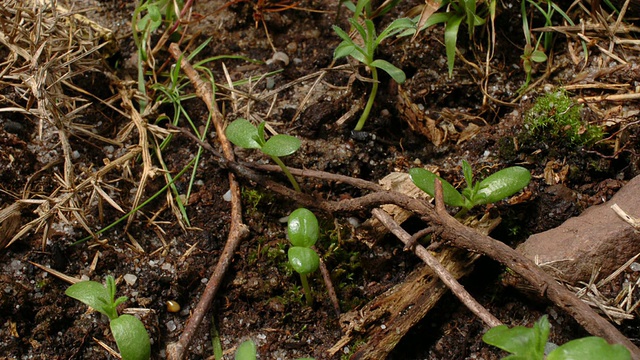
x: 496, y: 187
x: 530, y: 343
x: 303, y: 233
x: 243, y: 133
x: 129, y: 332
x: 365, y: 53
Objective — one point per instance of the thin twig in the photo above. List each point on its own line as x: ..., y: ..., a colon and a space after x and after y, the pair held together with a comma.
x: 238, y: 230
x: 442, y: 273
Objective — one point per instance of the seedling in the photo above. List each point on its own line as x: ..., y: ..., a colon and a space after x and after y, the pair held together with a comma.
x: 303, y: 233
x: 243, y: 133
x: 458, y: 11
x: 530, y: 343
x: 129, y: 332
x: 496, y: 187
x: 365, y: 53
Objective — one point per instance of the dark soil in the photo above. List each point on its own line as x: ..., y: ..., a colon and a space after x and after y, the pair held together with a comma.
x: 261, y: 298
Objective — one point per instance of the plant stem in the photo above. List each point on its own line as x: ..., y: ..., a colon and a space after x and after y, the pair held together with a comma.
x: 307, y: 289
x: 372, y: 96
x: 286, y: 171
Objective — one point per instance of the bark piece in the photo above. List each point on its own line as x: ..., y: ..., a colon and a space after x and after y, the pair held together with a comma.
x: 597, y: 240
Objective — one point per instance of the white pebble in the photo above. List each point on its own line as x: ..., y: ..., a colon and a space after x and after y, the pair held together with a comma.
x: 130, y: 279
x: 227, y: 196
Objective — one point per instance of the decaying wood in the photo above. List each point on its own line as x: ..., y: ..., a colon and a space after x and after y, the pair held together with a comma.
x: 387, y: 318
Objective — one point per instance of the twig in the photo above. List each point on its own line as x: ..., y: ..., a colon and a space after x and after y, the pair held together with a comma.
x: 238, y: 230
x: 626, y: 217
x: 460, y: 236
x: 457, y: 289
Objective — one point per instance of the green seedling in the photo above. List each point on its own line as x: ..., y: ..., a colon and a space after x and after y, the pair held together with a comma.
x: 129, y: 332
x: 496, y: 187
x: 458, y: 12
x: 530, y: 343
x: 243, y: 133
x: 365, y: 53
x: 247, y: 351
x: 303, y: 233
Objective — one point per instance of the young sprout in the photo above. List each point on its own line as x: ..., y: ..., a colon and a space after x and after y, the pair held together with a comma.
x: 531, y: 343
x: 243, y: 133
x: 496, y: 187
x: 247, y: 351
x: 129, y: 332
x: 303, y: 233
x: 365, y: 54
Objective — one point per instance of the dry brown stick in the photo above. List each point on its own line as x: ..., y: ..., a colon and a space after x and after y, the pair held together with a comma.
x: 462, y: 236
x: 238, y: 230
x: 451, y: 282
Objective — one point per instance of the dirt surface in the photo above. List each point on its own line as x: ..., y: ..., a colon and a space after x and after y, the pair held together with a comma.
x: 78, y: 171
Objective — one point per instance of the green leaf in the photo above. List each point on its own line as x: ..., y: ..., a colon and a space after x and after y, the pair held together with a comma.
x: 397, y: 74
x: 91, y: 293
x: 502, y: 184
x: 246, y: 351
x: 344, y: 49
x: 304, y: 260
x: 468, y: 174
x: 243, y: 133
x: 303, y: 229
x: 524, y: 343
x: 395, y: 27
x: 281, y: 145
x: 424, y: 179
x: 343, y: 34
x: 539, y: 56
x: 132, y: 338
x: 450, y: 40
x: 589, y: 348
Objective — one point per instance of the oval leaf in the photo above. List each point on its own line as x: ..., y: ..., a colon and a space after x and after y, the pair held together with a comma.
x: 424, y: 179
x: 90, y: 293
x: 243, y: 133
x: 589, y: 348
x: 246, y: 351
x: 303, y: 260
x: 131, y: 337
x: 502, y: 184
x: 303, y: 228
x: 281, y: 145
x: 522, y: 342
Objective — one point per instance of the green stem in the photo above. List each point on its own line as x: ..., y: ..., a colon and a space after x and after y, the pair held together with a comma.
x: 372, y: 96
x: 286, y: 171
x: 307, y: 289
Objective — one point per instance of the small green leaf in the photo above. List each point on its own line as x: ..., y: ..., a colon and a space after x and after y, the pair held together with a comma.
x: 450, y: 40
x: 395, y: 27
x: 539, y: 56
x: 589, y: 348
x: 243, y: 133
x: 132, y: 337
x: 281, y: 145
x: 344, y: 49
x: 303, y: 228
x: 342, y: 34
x: 523, y: 342
x: 424, y: 179
x: 304, y: 260
x: 502, y: 184
x: 468, y: 174
x: 91, y: 293
x: 246, y: 351
x: 397, y: 74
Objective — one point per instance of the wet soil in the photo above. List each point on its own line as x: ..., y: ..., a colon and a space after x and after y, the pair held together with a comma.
x: 261, y: 298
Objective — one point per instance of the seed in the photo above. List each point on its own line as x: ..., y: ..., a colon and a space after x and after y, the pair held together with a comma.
x: 173, y: 306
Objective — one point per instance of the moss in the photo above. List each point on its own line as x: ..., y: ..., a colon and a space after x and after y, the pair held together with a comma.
x: 556, y: 117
